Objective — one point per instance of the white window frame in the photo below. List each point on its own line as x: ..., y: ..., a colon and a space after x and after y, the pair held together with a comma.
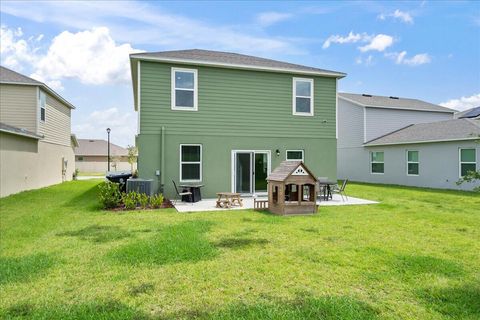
x: 190, y: 162
x: 195, y: 89
x: 460, y: 162
x: 294, y: 99
x: 302, y: 151
x: 40, y: 92
x: 372, y: 162
x: 408, y: 162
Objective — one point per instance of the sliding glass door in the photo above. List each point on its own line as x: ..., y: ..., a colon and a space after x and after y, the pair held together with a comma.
x: 250, y: 171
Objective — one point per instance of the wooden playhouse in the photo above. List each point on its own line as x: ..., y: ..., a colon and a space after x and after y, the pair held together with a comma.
x: 292, y: 189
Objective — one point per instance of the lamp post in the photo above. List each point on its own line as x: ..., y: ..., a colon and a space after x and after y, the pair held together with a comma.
x: 108, y: 148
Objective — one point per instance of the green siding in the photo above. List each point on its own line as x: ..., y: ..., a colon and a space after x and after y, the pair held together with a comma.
x: 237, y: 110
x: 235, y: 102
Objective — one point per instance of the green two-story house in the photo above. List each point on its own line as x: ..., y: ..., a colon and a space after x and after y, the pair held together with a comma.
x: 226, y: 120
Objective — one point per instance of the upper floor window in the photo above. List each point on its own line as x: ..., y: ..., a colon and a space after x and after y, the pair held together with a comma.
x: 303, y: 97
x: 468, y: 161
x: 184, y: 89
x: 42, y: 102
x: 413, y: 167
x: 377, y: 164
x: 295, y: 155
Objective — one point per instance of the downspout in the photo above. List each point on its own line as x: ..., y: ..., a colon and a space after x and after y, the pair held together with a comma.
x: 162, y: 160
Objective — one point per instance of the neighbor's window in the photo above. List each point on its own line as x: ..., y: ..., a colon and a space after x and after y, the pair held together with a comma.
x: 190, y: 162
x: 184, y: 89
x: 42, y: 102
x: 295, y: 155
x: 412, y: 163
x: 79, y: 158
x: 303, y: 97
x: 376, y: 162
x: 468, y: 161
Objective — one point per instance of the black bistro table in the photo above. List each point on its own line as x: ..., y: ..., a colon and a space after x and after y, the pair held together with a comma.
x: 327, y: 188
x: 194, y: 189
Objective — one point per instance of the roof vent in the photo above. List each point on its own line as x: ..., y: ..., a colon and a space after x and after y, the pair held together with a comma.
x: 394, y: 97
x: 367, y: 95
x: 91, y: 140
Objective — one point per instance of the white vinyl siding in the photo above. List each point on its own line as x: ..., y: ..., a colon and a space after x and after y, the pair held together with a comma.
x: 184, y: 89
x: 295, y: 155
x: 302, y: 97
x: 413, y: 163
x: 468, y: 161
x: 190, y: 162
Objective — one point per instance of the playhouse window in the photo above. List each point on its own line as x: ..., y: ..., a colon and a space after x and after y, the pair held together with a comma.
x: 308, y: 193
x: 275, y: 194
x: 291, y: 192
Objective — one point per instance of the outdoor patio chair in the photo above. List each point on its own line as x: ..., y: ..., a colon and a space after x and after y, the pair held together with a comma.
x: 321, y: 188
x: 180, y: 194
x: 341, y: 190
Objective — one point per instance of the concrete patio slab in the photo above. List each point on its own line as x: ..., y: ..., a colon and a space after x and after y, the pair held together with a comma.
x: 209, y: 204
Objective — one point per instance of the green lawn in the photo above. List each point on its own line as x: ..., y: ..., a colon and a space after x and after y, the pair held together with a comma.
x: 414, y: 256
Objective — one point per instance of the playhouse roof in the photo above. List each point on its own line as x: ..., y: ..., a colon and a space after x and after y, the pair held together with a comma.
x: 285, y: 169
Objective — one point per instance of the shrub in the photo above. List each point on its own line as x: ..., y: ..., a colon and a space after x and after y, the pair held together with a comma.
x: 75, y: 174
x: 109, y: 194
x: 130, y: 200
x: 156, y: 200
x: 143, y: 199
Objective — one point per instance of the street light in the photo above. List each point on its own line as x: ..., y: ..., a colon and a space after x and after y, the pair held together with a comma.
x: 108, y: 148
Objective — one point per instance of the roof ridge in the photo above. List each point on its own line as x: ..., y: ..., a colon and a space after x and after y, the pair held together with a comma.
x: 387, y: 134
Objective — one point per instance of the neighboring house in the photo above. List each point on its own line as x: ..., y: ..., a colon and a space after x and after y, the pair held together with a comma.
x: 473, y: 113
x: 403, y: 141
x: 226, y: 120
x: 35, y: 136
x: 91, y: 156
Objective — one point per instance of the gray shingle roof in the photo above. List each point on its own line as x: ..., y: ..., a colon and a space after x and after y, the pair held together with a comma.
x: 455, y: 129
x: 393, y: 102
x: 7, y: 75
x: 19, y: 131
x: 98, y: 147
x: 228, y: 58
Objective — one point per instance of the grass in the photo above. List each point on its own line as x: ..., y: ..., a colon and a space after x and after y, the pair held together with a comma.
x: 416, y: 255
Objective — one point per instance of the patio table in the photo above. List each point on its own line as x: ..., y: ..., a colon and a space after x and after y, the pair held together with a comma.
x: 228, y: 199
x: 327, y: 188
x: 195, y: 190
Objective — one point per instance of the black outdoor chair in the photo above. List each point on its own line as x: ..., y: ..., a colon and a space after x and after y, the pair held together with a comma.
x: 341, y: 190
x: 181, y: 194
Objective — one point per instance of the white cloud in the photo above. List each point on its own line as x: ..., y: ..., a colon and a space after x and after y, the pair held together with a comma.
x: 122, y: 125
x: 350, y: 38
x: 368, y: 61
x: 269, y: 18
x: 463, y: 103
x: 91, y: 56
x: 150, y: 25
x: 379, y: 43
x: 403, y: 16
x: 416, y: 60
x: 14, y: 50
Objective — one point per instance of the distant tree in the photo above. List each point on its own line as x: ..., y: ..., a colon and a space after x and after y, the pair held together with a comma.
x: 132, y: 155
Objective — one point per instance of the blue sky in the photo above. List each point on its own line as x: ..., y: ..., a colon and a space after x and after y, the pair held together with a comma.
x: 428, y: 50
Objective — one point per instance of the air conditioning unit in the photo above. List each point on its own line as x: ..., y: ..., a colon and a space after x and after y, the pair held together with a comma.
x: 140, y: 186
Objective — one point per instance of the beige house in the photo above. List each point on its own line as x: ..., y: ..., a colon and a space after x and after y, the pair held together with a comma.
x: 91, y: 156
x: 35, y: 134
